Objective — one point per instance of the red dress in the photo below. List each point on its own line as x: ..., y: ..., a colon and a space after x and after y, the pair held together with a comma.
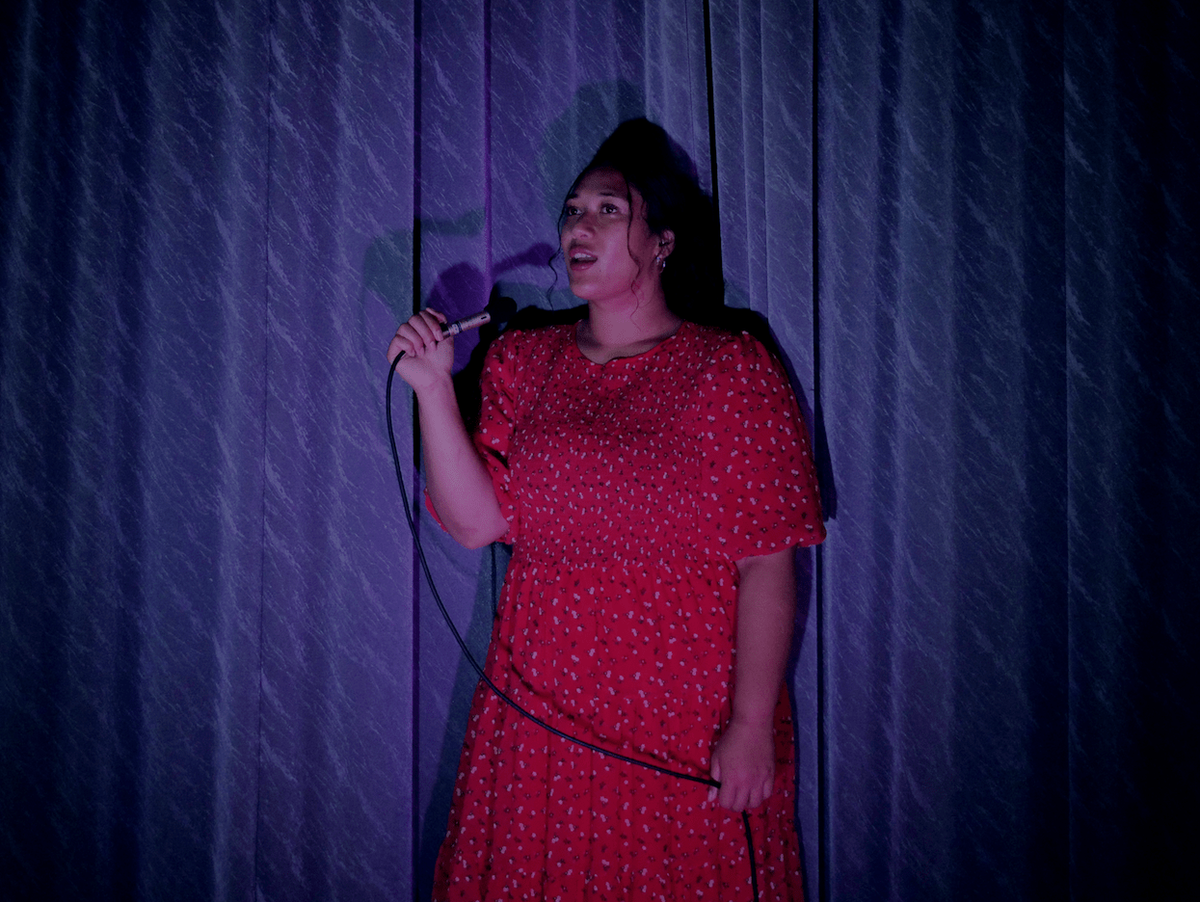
x: 631, y: 489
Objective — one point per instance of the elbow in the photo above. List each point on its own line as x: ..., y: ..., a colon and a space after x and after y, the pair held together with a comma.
x: 476, y: 540
x: 479, y: 535
x: 470, y: 528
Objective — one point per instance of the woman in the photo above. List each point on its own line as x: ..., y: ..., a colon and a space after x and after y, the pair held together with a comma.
x: 653, y: 475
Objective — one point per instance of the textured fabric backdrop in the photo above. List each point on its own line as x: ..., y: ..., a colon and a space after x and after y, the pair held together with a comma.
x: 972, y: 228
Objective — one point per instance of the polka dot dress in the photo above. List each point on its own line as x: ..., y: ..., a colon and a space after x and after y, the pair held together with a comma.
x: 631, y: 488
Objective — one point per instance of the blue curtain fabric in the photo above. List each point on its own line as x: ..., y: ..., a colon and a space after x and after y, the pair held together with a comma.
x: 971, y: 227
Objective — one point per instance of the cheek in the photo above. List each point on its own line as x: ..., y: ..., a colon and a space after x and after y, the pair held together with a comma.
x: 644, y: 244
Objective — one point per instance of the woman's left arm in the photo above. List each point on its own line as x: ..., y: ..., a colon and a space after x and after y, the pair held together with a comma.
x: 743, y: 759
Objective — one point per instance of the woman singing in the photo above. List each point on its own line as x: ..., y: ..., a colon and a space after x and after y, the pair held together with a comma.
x: 653, y: 474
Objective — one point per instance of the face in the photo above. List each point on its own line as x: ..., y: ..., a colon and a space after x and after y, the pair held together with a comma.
x: 606, y: 241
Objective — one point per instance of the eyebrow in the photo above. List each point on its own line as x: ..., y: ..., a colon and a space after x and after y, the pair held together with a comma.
x: 575, y: 194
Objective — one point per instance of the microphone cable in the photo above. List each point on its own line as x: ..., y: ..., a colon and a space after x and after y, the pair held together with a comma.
x: 504, y: 697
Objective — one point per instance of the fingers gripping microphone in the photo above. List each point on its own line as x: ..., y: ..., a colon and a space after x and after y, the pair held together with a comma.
x: 499, y: 310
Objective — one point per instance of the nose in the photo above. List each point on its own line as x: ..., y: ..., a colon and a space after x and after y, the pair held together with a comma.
x: 584, y: 223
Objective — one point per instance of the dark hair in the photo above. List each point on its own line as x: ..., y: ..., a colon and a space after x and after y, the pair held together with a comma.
x: 665, y: 177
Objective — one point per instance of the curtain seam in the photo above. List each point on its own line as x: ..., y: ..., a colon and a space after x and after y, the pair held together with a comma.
x: 266, y: 394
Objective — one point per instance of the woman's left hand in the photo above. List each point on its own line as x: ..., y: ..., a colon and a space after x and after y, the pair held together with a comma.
x: 743, y: 760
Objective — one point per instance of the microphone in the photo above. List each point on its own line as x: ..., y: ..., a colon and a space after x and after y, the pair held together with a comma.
x: 482, y: 318
x: 499, y: 310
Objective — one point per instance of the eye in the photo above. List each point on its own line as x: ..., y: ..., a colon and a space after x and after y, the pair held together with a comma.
x: 609, y: 208
x: 570, y: 210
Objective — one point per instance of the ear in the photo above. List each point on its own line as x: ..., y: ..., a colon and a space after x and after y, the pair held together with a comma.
x: 666, y: 243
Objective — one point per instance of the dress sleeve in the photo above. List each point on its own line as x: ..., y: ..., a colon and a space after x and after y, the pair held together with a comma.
x: 493, y: 437
x: 758, y: 484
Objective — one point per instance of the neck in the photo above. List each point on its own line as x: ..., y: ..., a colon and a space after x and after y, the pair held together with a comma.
x: 608, y: 333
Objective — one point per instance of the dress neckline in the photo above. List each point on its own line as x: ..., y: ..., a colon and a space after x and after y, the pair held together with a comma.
x: 573, y: 341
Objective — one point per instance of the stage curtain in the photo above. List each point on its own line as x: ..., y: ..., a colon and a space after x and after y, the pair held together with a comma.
x: 971, y: 228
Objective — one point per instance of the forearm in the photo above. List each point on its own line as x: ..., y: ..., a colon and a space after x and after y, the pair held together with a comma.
x: 743, y: 759
x: 458, y: 483
x: 765, y: 621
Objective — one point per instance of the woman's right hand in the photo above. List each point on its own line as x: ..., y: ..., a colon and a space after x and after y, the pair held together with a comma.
x: 428, y: 358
